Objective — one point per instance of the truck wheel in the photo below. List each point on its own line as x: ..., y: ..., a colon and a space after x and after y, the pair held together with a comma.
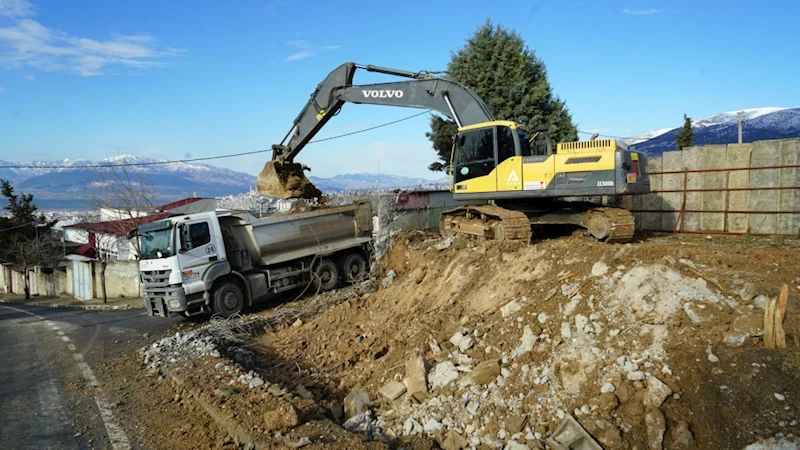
x: 228, y: 300
x: 354, y: 267
x: 327, y: 275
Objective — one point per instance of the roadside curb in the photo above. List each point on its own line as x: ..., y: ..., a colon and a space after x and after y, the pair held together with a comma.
x: 239, y: 435
x: 84, y: 307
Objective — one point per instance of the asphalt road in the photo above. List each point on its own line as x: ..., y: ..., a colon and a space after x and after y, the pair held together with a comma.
x: 50, y: 397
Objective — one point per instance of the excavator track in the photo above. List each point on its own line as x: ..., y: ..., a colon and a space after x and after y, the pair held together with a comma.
x: 611, y: 225
x: 488, y: 221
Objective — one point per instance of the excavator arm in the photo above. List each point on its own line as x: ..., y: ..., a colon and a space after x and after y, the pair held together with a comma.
x: 282, y: 178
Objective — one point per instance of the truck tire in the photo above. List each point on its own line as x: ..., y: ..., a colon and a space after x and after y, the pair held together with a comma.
x: 327, y: 275
x: 228, y: 299
x: 353, y: 267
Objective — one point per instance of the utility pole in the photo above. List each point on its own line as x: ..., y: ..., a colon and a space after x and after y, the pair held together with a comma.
x: 740, y: 114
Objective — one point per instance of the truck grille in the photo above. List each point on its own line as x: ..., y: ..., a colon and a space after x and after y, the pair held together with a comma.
x: 155, y: 278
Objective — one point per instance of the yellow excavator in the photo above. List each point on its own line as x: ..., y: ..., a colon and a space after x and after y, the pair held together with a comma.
x: 526, y: 177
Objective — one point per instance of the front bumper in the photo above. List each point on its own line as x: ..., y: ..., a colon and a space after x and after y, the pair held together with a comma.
x: 165, y: 301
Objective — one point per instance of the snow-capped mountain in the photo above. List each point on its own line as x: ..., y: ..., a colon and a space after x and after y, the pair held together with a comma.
x: 759, y: 124
x: 71, y: 179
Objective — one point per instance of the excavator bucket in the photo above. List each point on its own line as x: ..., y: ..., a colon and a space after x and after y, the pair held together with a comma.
x: 285, y: 180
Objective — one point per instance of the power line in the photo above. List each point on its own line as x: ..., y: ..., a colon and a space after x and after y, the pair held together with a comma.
x: 232, y: 155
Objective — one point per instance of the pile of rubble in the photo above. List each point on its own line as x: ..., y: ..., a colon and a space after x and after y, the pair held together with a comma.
x: 585, y: 341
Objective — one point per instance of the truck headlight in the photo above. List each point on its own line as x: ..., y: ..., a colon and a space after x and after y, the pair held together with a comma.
x: 174, y: 303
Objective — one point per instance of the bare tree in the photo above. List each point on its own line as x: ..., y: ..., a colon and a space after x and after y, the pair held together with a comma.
x: 123, y: 199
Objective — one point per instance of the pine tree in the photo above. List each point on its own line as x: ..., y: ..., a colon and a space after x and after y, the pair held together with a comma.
x: 507, y: 75
x: 685, y: 136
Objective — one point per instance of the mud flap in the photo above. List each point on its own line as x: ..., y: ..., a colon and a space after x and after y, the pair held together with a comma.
x: 285, y: 180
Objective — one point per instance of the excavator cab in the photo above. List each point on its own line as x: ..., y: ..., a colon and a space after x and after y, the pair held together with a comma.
x: 489, y: 155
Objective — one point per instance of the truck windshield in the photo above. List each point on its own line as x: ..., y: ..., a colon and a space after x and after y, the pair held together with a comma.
x: 157, y: 244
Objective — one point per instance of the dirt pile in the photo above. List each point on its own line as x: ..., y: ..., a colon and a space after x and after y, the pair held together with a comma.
x: 648, y: 345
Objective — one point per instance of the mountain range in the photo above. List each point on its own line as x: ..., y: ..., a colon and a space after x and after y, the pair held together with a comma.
x: 759, y: 124
x: 67, y: 179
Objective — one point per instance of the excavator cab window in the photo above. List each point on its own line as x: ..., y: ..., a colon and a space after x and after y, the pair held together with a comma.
x: 474, y: 154
x: 505, y: 144
x: 524, y: 142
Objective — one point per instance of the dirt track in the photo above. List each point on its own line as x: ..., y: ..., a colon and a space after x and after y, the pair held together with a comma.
x: 644, y: 343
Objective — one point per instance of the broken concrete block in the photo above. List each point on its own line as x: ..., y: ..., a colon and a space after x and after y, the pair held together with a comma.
x: 393, y: 390
x: 462, y: 340
x: 656, y: 427
x: 697, y: 315
x: 656, y: 393
x: 356, y: 403
x: 681, y: 436
x: 735, y: 339
x: 482, y: 373
x: 515, y: 424
x: 443, y: 374
x: 417, y: 378
x: 570, y: 435
x: 389, y: 279
x: 510, y: 308
x: 454, y: 441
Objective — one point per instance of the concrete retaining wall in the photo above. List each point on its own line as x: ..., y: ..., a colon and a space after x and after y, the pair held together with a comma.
x: 723, y: 200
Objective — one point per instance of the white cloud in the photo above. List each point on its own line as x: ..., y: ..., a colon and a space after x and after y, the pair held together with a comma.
x: 15, y: 8
x: 2, y: 91
x: 640, y: 12
x: 300, y: 43
x: 308, y: 49
x: 30, y: 77
x: 28, y: 43
x: 299, y: 55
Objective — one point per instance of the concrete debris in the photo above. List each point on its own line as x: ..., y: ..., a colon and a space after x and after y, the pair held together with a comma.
x: 682, y: 437
x: 443, y: 374
x: 735, y: 339
x: 526, y: 342
x: 445, y: 244
x: 482, y: 373
x: 454, y: 441
x: 607, y: 387
x: 515, y: 424
x: 462, y: 341
x: 747, y: 292
x: 760, y: 301
x: 696, y: 314
x: 599, y: 269
x: 393, y: 390
x: 510, y: 308
x: 656, y: 393
x: 255, y: 382
x: 570, y: 435
x: 356, y: 403
x: 417, y: 378
x: 388, y: 279
x: 656, y: 427
x: 636, y: 375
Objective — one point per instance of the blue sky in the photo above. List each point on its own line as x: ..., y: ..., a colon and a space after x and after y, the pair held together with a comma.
x: 186, y: 79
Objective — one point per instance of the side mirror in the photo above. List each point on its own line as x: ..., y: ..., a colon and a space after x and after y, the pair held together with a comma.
x: 132, y: 234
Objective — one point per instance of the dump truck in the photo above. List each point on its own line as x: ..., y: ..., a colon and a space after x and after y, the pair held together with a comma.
x: 219, y: 261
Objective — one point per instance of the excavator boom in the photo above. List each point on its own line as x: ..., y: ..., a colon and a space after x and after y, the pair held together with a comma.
x: 282, y: 178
